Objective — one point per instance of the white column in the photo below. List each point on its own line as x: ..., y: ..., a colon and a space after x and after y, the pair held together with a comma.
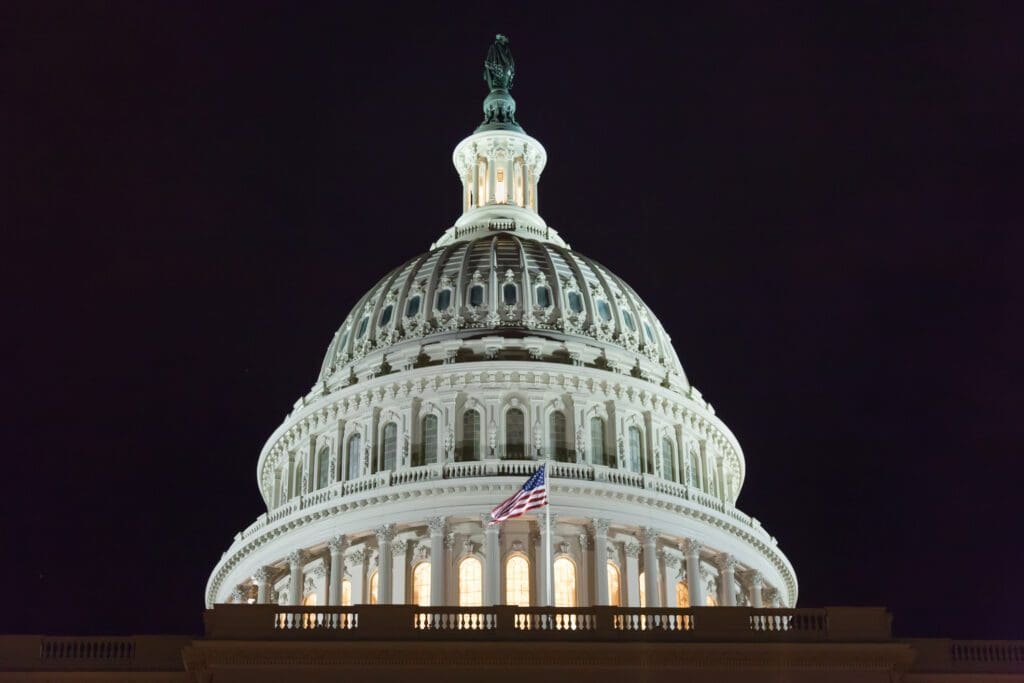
x: 727, y: 568
x: 337, y: 547
x: 385, y: 533
x: 756, y: 586
x: 669, y: 578
x: 492, y: 163
x: 357, y: 573
x: 583, y: 590
x: 262, y: 578
x: 543, y: 553
x: 399, y: 570
x: 296, y: 560
x: 692, y: 548
x: 601, y: 561
x: 651, y: 589
x: 632, y: 574
x: 492, y: 562
x: 437, y: 526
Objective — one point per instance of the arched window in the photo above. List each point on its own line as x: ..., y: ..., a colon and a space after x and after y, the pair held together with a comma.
x: 668, y: 460
x: 343, y: 343
x: 635, y: 458
x: 390, y: 445
x: 543, y: 296
x: 346, y: 592
x: 429, y: 440
x: 444, y: 299
x: 309, y: 600
x: 373, y: 588
x: 614, y: 585
x: 643, y: 590
x: 476, y: 295
x: 355, y: 454
x: 361, y: 332
x: 517, y: 581
x: 385, y: 317
x: 509, y: 294
x: 515, y: 434
x: 558, y: 437
x: 604, y: 310
x: 694, y: 469
x: 597, y: 454
x: 297, y: 489
x: 575, y: 302
x: 649, y: 333
x: 627, y: 318
x: 421, y: 584
x: 323, y: 462
x: 682, y: 594
x: 565, y: 582
x: 471, y: 592
x: 412, y: 307
x: 470, y: 449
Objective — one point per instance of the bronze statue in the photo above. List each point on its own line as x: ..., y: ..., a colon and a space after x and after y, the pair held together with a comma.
x: 499, y: 67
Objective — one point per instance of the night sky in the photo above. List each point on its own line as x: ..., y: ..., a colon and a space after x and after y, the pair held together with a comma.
x: 822, y: 205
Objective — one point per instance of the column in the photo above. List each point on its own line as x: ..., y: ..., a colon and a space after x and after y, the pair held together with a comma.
x: 436, y: 525
x: 691, y: 548
x: 583, y: 576
x: 399, y: 570
x: 492, y: 562
x: 651, y: 589
x: 356, y: 560
x: 727, y: 568
x: 296, y: 560
x: 600, y: 561
x: 543, y: 553
x: 262, y: 578
x: 669, y: 578
x: 756, y: 586
x: 632, y: 574
x: 492, y: 162
x: 385, y: 533
x: 337, y: 547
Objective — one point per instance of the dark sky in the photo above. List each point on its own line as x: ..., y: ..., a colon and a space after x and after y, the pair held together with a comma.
x: 823, y: 206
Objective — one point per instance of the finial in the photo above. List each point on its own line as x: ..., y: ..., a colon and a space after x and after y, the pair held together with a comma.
x: 499, y: 70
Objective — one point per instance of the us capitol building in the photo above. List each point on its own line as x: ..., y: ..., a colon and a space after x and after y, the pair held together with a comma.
x: 457, y: 374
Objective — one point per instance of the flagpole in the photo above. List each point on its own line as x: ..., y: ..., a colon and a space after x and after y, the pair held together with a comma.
x: 547, y: 535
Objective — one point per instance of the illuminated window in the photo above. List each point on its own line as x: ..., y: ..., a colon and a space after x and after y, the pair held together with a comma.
x: 390, y: 445
x: 476, y: 295
x: 481, y: 181
x: 385, y: 317
x: 471, y: 592
x: 373, y: 588
x: 604, y: 310
x: 515, y: 434
x: 634, y: 449
x: 470, y: 436
x: 597, y: 454
x: 712, y: 601
x: 643, y: 591
x: 682, y: 595
x: 361, y: 332
x: 421, y: 584
x: 323, y: 462
x: 346, y: 592
x: 557, y: 429
x: 543, y: 297
x: 412, y: 307
x: 509, y: 294
x: 429, y: 440
x: 575, y: 302
x: 500, y: 186
x: 614, y: 595
x: 309, y: 600
x: 444, y: 299
x: 565, y: 583
x: 668, y: 459
x: 517, y: 581
x: 627, y: 317
x: 355, y: 449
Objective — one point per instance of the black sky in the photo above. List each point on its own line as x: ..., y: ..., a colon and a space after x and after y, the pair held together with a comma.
x: 822, y: 204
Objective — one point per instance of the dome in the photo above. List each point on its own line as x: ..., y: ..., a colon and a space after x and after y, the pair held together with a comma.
x: 499, y: 355
x: 541, y: 299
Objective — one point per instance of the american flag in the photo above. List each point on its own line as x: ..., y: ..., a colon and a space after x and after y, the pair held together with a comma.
x: 532, y: 495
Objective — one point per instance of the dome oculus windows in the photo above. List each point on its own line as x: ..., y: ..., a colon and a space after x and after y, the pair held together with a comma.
x: 575, y: 302
x: 604, y: 310
x: 444, y: 299
x: 510, y: 294
x: 476, y: 295
x: 543, y: 296
x: 361, y: 332
x: 385, y: 317
x: 412, y: 307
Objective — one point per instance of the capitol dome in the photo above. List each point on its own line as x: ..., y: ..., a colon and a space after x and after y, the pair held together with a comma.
x: 459, y: 373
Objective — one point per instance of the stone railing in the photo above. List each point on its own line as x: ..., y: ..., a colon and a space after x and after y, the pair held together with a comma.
x: 411, y: 622
x: 968, y: 656
x: 95, y: 653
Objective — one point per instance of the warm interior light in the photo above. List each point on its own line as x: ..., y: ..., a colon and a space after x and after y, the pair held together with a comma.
x: 500, y: 187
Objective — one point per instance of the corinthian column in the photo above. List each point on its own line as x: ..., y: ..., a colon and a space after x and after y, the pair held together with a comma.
x: 437, y: 527
x: 385, y: 533
x: 727, y: 566
x: 262, y: 577
x: 651, y: 590
x: 601, y: 561
x: 756, y: 586
x: 492, y: 562
x: 337, y: 547
x: 296, y: 561
x: 691, y: 548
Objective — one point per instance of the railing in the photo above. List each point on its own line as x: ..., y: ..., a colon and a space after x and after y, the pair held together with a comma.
x: 402, y: 622
x: 967, y: 656
x: 86, y: 648
x: 90, y: 653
